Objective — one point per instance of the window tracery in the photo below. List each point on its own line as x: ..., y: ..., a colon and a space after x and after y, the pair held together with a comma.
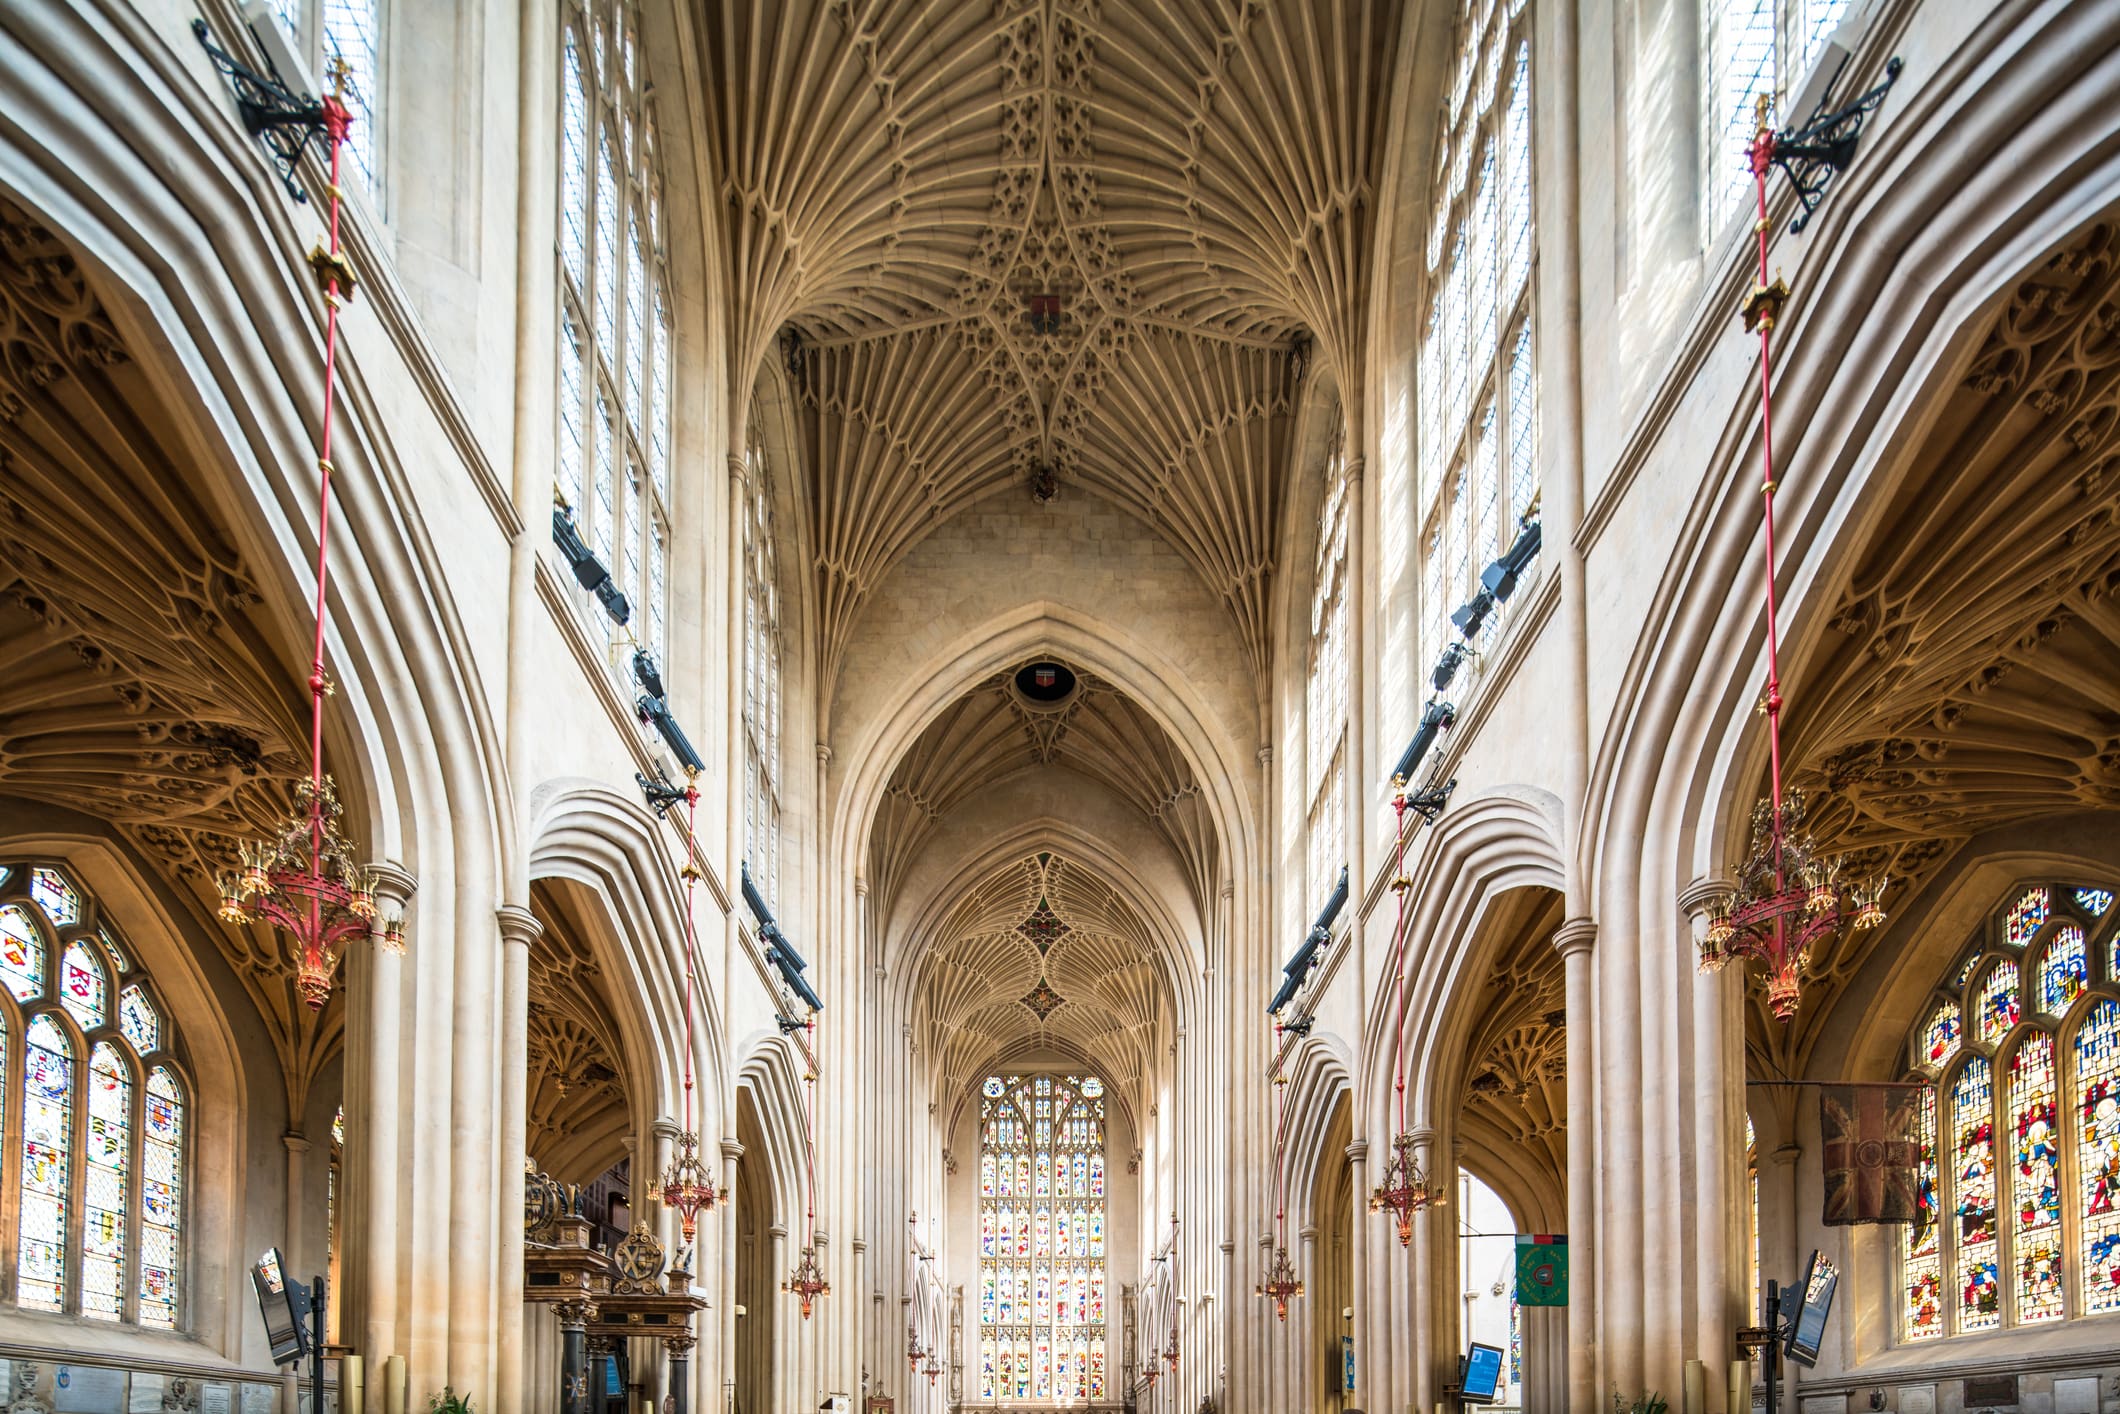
x: 95, y: 1111
x: 1325, y: 692
x: 324, y: 30
x: 614, y: 338
x: 2002, y: 1068
x: 1478, y: 382
x: 1041, y: 1238
x: 1753, y: 47
x: 764, y: 654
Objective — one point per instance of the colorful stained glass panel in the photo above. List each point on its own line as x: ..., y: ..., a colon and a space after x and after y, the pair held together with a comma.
x: 1973, y: 1138
x: 2026, y: 915
x: 47, y: 1153
x: 1996, y: 1006
x: 52, y: 893
x: 1921, y: 1251
x: 2035, y: 1180
x: 2094, y: 901
x: 161, y: 1200
x: 107, y: 1182
x: 82, y: 989
x: 139, y: 1020
x: 116, y: 953
x: 21, y: 953
x: 1939, y: 1038
x: 2098, y: 1153
x: 2063, y: 972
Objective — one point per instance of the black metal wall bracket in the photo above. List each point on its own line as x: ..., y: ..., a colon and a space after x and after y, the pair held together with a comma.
x: 1429, y: 800
x: 278, y: 117
x: 660, y: 790
x: 1812, y: 155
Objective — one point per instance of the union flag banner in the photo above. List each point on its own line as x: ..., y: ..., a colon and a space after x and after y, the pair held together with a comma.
x: 1872, y: 1136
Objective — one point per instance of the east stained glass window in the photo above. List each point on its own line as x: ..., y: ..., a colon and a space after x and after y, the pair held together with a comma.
x: 2020, y: 1143
x: 100, y: 1154
x: 2035, y: 1179
x: 614, y: 336
x: 1041, y: 1238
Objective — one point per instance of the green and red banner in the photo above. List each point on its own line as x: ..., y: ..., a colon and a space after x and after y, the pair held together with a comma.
x: 1541, y: 1269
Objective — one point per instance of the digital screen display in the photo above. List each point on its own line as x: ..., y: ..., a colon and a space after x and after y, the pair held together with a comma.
x: 1483, y: 1373
x: 1807, y: 1332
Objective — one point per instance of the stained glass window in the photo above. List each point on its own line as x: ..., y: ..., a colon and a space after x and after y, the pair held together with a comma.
x: 1042, y: 1239
x: 95, y: 1184
x: 614, y: 325
x: 2025, y: 916
x: 764, y: 649
x: 47, y: 1155
x: 81, y: 987
x: 1477, y: 441
x: 2063, y: 972
x: 1939, y: 1038
x: 2098, y: 1153
x: 1973, y: 1147
x: 1921, y: 1241
x: 2035, y: 1182
x: 108, y: 1172
x: 2094, y: 901
x: 162, y: 1192
x: 1997, y: 1008
x: 21, y: 953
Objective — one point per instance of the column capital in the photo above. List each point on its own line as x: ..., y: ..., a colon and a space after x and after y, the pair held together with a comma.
x: 394, y: 884
x: 824, y: 754
x: 731, y: 1150
x: 1266, y: 754
x: 1308, y: 1232
x: 1351, y: 468
x: 776, y: 1231
x: 1358, y: 1151
x: 663, y: 1127
x: 518, y: 924
x: 1702, y: 895
x: 739, y: 468
x: 296, y: 1143
x: 1574, y: 936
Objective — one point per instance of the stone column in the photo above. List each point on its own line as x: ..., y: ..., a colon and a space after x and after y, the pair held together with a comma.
x: 1576, y: 942
x: 573, y: 1356
x: 296, y: 1254
x: 680, y: 1348
x: 1358, y: 1255
x: 1425, y: 1239
x: 375, y: 1131
x: 518, y: 930
x: 1718, y: 1136
x: 731, y: 1151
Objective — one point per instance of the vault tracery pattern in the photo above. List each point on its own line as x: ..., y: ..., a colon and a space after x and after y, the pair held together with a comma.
x: 1516, y: 1082
x: 985, y: 985
x: 1967, y: 682
x: 1191, y: 183
x: 578, y: 1105
x: 138, y: 688
x: 990, y: 734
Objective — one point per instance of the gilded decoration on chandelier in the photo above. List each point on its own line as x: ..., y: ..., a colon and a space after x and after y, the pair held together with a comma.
x: 1405, y: 1189
x: 807, y: 1281
x: 1282, y: 1283
x: 305, y: 880
x: 687, y: 1186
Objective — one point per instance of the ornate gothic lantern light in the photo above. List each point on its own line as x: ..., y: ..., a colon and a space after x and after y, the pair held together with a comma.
x: 913, y: 1352
x: 304, y: 879
x: 807, y: 1280
x: 1405, y: 1189
x: 685, y: 1184
x: 1789, y: 897
x: 1281, y: 1283
x: 1170, y: 1351
x: 934, y: 1368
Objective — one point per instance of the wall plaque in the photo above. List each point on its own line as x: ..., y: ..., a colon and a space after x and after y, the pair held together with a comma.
x: 1991, y: 1392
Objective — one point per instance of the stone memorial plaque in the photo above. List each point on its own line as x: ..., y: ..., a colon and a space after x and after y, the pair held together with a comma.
x: 2076, y: 1394
x: 1991, y: 1392
x: 1825, y: 1404
x: 1917, y: 1399
x: 88, y: 1389
x: 215, y: 1398
x: 261, y: 1399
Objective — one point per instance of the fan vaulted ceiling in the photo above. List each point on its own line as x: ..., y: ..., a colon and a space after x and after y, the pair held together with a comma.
x: 1188, y: 182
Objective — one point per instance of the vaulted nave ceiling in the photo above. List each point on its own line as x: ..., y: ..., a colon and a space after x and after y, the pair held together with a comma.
x: 1191, y: 182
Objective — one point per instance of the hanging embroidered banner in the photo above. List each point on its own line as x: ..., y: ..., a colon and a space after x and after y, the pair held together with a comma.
x: 1541, y: 1269
x: 1872, y: 1136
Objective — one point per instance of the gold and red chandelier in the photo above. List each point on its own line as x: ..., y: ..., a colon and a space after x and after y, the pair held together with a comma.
x: 1405, y: 1189
x: 305, y: 879
x: 685, y: 1184
x: 1789, y: 897
x: 1282, y: 1284
x: 807, y: 1280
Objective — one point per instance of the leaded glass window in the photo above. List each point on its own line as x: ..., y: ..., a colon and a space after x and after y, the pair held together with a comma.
x: 1041, y: 1238
x: 1325, y: 695
x: 86, y: 1072
x: 764, y: 653
x: 2034, y: 1230
x: 614, y: 334
x: 352, y: 30
x: 1477, y: 441
x: 1754, y: 47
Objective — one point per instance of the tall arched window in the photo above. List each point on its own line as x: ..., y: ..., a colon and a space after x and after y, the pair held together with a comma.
x: 95, y: 1124
x: 1753, y: 47
x: 2024, y: 1031
x: 328, y: 30
x: 763, y: 655
x: 1041, y: 1238
x: 614, y: 324
x: 1477, y: 380
x: 1325, y: 693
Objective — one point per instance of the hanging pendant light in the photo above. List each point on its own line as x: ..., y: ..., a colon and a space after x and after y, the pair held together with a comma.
x: 1281, y: 1282
x: 685, y: 1183
x: 1404, y: 1189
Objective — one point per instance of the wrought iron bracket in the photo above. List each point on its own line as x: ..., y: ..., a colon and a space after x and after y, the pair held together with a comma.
x: 1429, y: 800
x: 283, y: 121
x: 1299, y: 1027
x: 660, y: 791
x: 1812, y: 155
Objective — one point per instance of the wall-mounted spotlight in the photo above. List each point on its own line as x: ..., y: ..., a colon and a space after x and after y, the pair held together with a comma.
x: 1471, y: 614
x: 1306, y: 956
x: 655, y: 712
x: 779, y: 951
x: 647, y: 674
x: 1435, y: 718
x: 589, y: 572
x: 1500, y: 577
x: 1446, y: 666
